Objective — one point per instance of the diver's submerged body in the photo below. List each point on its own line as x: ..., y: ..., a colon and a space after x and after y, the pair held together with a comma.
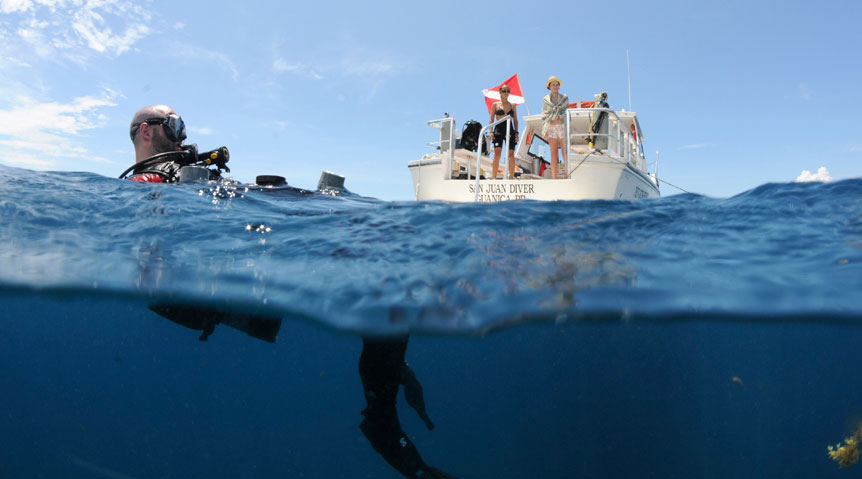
x: 382, y: 370
x: 158, y: 133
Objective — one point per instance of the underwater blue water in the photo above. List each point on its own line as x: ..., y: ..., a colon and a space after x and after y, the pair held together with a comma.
x: 681, y: 337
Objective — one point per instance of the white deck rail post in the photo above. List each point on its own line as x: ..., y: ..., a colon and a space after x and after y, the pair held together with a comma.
x: 451, y: 147
x: 440, y: 125
x: 479, y: 161
x: 619, y: 137
x: 507, y: 118
x: 567, y: 146
x: 506, y: 152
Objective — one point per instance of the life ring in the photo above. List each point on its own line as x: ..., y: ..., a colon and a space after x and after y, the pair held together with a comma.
x: 634, y: 133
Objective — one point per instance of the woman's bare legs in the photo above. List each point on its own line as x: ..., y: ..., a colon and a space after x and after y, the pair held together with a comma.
x: 496, y: 165
x: 555, y: 162
x: 565, y: 158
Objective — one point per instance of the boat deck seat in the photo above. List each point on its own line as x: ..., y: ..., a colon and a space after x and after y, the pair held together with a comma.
x: 464, y: 161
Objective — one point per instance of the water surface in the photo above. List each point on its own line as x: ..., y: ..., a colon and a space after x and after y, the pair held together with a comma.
x: 681, y: 337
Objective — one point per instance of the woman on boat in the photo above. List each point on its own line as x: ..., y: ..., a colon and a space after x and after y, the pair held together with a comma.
x: 498, y: 134
x: 554, y: 108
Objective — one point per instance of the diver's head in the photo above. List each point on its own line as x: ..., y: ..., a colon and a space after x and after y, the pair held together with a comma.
x: 156, y: 129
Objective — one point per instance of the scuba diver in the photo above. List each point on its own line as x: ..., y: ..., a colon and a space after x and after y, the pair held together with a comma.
x: 156, y: 130
x: 158, y: 133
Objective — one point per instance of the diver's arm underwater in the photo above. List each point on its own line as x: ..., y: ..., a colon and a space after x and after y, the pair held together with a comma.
x: 382, y: 369
x: 206, y: 319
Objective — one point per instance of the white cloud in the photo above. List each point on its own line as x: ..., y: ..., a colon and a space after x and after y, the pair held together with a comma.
x: 821, y: 175
x: 17, y: 62
x: 368, y: 70
x: 201, y: 130
x: 360, y: 67
x: 280, y: 65
x: 14, y: 6
x: 187, y: 51
x: 695, y: 146
x: 37, y: 40
x: 73, y: 30
x: 348, y: 67
x: 93, y: 28
x: 42, y: 134
x: 804, y: 91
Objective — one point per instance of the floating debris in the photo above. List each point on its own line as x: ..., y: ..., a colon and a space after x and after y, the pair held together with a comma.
x: 847, y: 454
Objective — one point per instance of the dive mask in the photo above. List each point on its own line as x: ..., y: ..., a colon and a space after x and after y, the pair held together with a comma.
x: 173, y: 125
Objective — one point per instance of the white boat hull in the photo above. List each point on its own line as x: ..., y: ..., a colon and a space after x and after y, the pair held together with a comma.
x: 596, y: 178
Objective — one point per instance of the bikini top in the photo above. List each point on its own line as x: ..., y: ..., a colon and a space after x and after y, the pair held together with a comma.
x: 500, y: 111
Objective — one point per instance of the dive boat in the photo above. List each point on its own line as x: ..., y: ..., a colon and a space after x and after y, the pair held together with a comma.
x: 605, y: 160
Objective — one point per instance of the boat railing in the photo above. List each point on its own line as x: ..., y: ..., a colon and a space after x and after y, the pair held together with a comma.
x: 620, y: 143
x: 482, y: 142
x: 447, y: 139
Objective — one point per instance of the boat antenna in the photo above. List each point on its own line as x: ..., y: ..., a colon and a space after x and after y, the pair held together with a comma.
x: 629, y: 74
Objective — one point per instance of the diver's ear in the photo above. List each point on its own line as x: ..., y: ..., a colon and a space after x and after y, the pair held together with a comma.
x: 144, y: 131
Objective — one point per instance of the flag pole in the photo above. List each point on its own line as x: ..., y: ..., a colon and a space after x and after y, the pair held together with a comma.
x: 525, y: 96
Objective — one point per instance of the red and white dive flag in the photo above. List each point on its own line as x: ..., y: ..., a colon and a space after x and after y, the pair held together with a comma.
x: 516, y: 96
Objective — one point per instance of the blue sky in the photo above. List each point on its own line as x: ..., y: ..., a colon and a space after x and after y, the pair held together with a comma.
x: 733, y: 94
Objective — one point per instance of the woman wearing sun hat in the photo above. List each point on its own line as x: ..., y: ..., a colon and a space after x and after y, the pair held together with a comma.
x: 554, y: 108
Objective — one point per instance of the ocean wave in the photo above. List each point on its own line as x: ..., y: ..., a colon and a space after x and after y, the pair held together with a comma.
x: 777, y: 251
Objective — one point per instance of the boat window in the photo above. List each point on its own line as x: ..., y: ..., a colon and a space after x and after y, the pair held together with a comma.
x: 539, y: 149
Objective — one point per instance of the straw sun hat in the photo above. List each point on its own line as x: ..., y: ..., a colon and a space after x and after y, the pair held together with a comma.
x: 553, y: 79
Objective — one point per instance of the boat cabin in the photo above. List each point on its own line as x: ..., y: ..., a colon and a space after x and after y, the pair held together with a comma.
x: 605, y: 159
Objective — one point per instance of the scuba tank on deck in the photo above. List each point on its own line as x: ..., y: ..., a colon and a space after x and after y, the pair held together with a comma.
x: 470, y: 135
x: 598, y: 138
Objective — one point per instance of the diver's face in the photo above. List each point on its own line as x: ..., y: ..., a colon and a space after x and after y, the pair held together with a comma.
x: 161, y: 143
